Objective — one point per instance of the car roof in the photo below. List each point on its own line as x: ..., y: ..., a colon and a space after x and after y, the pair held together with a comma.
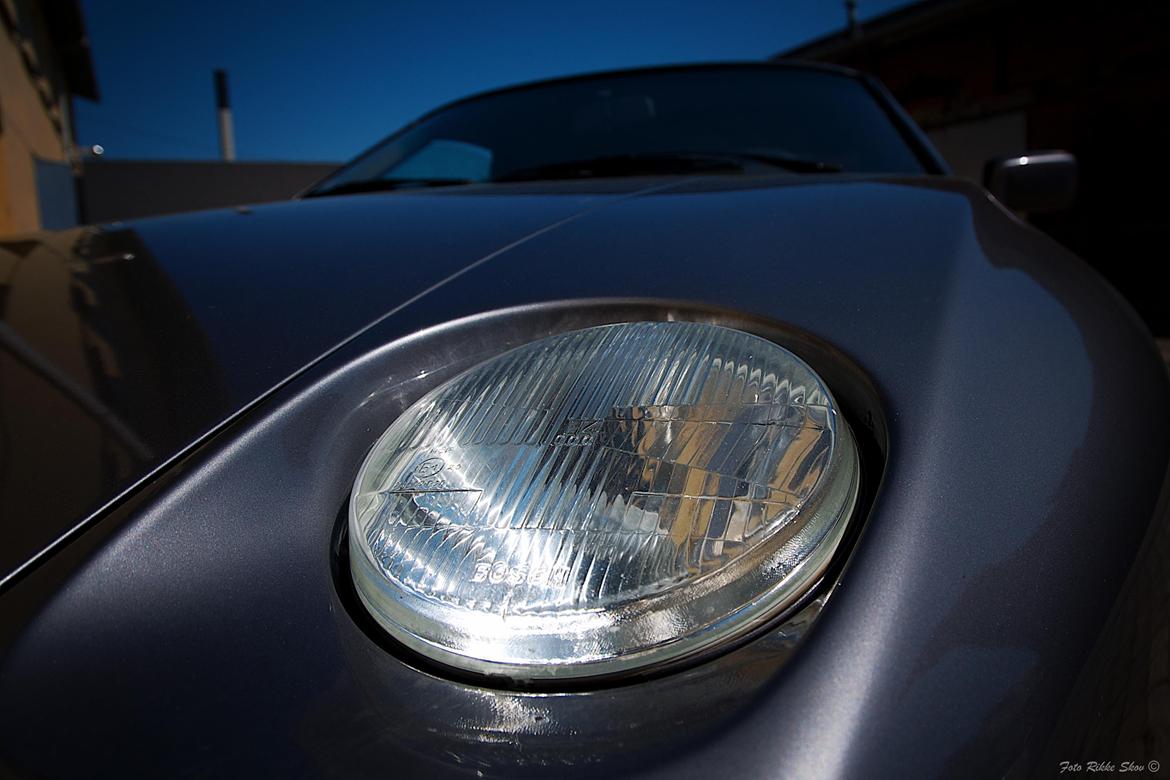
x: 648, y: 70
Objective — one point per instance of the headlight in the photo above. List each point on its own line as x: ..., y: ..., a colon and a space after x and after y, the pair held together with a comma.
x: 602, y: 500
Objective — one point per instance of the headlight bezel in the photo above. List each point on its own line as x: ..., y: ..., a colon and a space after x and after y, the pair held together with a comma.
x: 857, y: 401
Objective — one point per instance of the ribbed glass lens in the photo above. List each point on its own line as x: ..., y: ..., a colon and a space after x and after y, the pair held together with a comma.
x: 602, y: 500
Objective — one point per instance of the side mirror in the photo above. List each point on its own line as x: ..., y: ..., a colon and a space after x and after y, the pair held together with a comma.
x: 1036, y: 181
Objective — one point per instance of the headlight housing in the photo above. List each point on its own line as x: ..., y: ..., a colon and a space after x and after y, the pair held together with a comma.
x: 601, y: 501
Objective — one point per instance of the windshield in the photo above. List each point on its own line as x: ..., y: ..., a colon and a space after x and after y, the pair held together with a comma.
x: 743, y: 119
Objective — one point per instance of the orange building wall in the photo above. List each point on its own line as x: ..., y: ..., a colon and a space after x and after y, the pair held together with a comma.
x: 32, y: 124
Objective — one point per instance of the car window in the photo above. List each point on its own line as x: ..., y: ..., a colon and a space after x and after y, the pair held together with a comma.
x: 799, y: 113
x: 444, y: 158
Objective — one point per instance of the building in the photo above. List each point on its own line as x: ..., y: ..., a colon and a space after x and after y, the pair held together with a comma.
x: 44, y: 184
x: 114, y: 190
x: 991, y: 77
x: 44, y: 62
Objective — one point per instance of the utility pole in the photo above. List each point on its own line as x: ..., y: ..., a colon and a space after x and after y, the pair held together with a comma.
x: 227, y: 138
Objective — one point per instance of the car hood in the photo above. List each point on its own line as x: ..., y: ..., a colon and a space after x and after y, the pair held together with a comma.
x: 122, y: 344
x: 125, y: 344
x: 1019, y: 406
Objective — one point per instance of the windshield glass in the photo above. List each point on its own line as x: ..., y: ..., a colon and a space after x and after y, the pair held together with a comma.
x: 752, y: 119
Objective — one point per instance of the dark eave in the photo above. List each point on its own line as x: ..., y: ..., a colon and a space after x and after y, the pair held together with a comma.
x: 66, y: 28
x: 907, y: 22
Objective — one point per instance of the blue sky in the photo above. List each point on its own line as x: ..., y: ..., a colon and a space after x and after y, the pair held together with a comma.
x: 323, y: 81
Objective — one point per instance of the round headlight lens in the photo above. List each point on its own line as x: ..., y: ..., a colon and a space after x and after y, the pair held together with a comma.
x: 602, y: 500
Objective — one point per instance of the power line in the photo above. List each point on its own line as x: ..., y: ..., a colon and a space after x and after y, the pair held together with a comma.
x: 149, y: 132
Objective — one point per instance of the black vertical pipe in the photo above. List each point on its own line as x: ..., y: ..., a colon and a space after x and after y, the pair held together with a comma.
x: 227, y: 140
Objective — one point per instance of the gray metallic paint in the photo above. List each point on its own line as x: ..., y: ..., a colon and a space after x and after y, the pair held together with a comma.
x: 1022, y: 411
x: 186, y: 320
